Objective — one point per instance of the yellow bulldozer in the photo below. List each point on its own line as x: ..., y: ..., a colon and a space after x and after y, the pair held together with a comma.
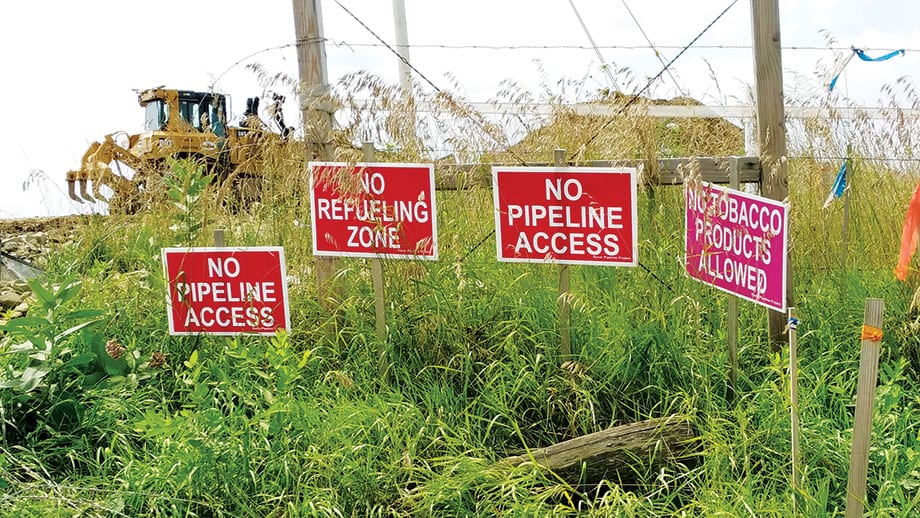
x: 177, y: 124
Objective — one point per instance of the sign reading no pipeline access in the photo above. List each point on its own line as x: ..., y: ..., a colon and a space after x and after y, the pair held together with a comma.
x: 373, y: 210
x: 226, y: 291
x: 583, y: 215
x: 737, y: 243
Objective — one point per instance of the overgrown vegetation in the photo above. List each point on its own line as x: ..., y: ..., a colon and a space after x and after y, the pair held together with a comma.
x: 104, y: 414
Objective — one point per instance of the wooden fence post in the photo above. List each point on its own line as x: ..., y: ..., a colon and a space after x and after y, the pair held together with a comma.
x: 871, y: 336
x: 316, y: 111
x: 771, y: 127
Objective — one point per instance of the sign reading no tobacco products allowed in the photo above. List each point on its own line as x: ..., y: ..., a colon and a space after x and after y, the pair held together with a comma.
x: 565, y: 215
x: 226, y: 291
x: 373, y: 210
x: 737, y: 243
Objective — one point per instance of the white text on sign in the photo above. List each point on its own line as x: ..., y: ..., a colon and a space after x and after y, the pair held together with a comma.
x: 736, y: 242
x: 226, y: 291
x: 566, y: 217
x: 384, y: 210
x: 578, y: 215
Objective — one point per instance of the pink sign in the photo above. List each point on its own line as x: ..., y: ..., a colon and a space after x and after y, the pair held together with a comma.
x: 373, y: 210
x: 577, y: 215
x: 737, y: 243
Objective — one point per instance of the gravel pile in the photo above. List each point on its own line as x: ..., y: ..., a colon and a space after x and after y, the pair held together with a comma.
x: 31, y: 241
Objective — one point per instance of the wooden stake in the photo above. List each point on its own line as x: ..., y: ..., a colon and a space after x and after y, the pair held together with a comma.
x: 794, y: 406
x: 565, y: 309
x: 865, y: 400
x: 219, y: 237
x: 379, y: 298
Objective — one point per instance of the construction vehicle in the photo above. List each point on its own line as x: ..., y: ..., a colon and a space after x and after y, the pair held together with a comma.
x: 178, y: 124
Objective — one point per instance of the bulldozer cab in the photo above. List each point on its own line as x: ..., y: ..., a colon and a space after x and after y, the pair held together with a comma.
x: 184, y: 111
x: 177, y: 123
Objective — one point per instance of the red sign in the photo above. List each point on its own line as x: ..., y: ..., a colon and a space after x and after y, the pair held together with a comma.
x: 373, y: 210
x: 737, y: 243
x: 226, y: 291
x: 582, y: 215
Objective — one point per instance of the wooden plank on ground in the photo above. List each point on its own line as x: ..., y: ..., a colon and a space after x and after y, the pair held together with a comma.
x: 621, y: 454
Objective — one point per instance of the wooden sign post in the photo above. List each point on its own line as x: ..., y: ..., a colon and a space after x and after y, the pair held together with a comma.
x: 565, y: 308
x: 375, y: 211
x: 565, y: 215
x: 219, y: 238
x: 379, y: 297
x: 733, y: 304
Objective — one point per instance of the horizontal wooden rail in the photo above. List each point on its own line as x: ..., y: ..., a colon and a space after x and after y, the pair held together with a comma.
x: 670, y: 171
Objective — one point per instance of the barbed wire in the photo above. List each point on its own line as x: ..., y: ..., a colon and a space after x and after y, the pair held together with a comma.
x: 863, y: 158
x: 627, y: 105
x: 444, y: 46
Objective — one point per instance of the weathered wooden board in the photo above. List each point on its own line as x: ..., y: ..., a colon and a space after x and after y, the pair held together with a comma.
x: 621, y: 454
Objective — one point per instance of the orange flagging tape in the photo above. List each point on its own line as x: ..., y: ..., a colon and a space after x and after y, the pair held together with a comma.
x: 871, y: 333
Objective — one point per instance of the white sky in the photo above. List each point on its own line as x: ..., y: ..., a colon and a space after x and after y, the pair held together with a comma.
x: 70, y: 67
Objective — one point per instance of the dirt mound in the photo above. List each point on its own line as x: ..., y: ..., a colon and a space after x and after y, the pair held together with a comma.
x: 10, y: 228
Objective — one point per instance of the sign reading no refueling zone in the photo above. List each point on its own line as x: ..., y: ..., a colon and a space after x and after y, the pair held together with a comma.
x: 373, y: 210
x: 226, y: 291
x: 583, y: 215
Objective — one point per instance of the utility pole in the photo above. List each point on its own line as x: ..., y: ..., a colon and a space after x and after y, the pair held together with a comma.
x: 405, y: 72
x: 771, y: 126
x: 402, y: 45
x: 317, y: 114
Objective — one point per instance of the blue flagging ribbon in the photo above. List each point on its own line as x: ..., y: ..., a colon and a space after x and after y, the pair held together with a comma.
x: 861, y: 54
x: 840, y: 184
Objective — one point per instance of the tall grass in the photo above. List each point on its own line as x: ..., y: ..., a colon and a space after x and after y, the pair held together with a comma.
x: 303, y: 425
